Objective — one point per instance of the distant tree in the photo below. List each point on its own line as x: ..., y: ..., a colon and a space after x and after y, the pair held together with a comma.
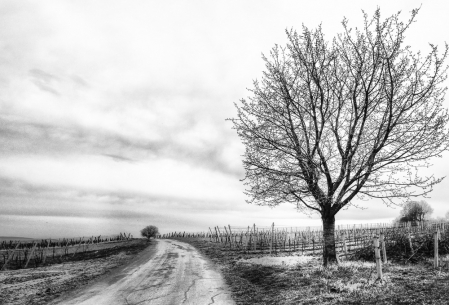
x: 149, y: 231
x: 355, y: 117
x: 415, y: 211
x: 447, y: 215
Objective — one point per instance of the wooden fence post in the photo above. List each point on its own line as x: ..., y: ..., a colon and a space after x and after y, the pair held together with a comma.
x: 210, y: 236
x: 435, y: 249
x: 378, y: 259
x: 217, y: 239
x: 384, y: 251
x: 219, y: 233
x: 313, y: 243
x: 271, y: 239
x: 345, y: 246
x: 45, y: 255
x: 251, y: 239
x: 230, y: 235
x: 247, y: 238
x: 410, y: 242
x: 255, y: 237
x: 31, y: 254
x: 226, y: 239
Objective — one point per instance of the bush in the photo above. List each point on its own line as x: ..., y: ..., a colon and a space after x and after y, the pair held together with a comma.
x: 398, y: 248
x: 149, y: 231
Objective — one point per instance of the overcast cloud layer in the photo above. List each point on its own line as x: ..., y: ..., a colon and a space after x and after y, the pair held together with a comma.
x: 112, y: 113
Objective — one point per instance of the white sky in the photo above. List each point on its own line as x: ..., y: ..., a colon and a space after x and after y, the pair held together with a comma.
x: 112, y: 113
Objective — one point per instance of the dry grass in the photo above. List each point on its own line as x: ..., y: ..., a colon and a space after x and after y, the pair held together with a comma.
x: 352, y: 282
x: 35, y: 286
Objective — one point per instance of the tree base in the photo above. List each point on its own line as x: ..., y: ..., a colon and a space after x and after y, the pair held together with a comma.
x: 331, y: 261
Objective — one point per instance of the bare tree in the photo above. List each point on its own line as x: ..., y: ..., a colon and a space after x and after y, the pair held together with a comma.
x: 356, y: 117
x: 415, y: 211
x: 149, y: 231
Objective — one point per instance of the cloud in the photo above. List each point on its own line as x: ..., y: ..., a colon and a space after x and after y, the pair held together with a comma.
x: 66, y: 95
x: 159, y: 178
x: 98, y: 211
x: 118, y: 158
x: 51, y: 200
x: 79, y: 81
x: 109, y: 111
x: 43, y: 80
x: 216, y: 152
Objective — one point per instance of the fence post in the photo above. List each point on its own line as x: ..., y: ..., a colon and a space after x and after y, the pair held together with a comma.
x: 226, y: 239
x: 384, y: 251
x: 271, y: 239
x: 255, y: 237
x: 31, y: 254
x: 46, y: 250
x: 378, y: 259
x: 219, y: 237
x: 247, y: 238
x: 210, y: 236
x: 410, y: 241
x: 230, y: 234
x: 435, y: 258
x: 313, y: 243
x: 251, y: 238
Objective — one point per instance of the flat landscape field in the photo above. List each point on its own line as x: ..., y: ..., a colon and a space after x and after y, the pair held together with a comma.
x: 43, y: 284
x: 255, y: 278
x: 252, y: 277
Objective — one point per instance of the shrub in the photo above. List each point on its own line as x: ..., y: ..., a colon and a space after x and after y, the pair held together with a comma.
x: 399, y: 246
x: 149, y: 231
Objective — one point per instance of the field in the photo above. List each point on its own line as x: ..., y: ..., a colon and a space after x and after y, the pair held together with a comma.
x: 65, y: 272
x: 256, y: 278
x: 22, y: 252
x: 349, y: 239
x: 260, y: 265
x: 284, y: 265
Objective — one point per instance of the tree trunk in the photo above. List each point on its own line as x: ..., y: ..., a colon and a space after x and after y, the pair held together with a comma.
x: 329, y: 250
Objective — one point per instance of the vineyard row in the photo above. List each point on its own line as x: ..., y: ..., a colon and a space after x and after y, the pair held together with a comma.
x: 21, y: 253
x: 307, y: 241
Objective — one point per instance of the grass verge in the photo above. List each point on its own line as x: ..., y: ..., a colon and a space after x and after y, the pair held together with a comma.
x: 352, y: 282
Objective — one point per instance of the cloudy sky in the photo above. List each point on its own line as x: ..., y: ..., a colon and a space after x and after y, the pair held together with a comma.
x: 112, y: 113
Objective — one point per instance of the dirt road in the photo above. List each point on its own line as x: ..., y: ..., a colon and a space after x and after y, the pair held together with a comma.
x: 172, y: 272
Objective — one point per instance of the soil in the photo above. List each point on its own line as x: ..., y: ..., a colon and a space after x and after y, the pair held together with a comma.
x: 43, y: 284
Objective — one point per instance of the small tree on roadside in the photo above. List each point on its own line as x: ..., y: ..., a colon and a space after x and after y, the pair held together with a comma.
x: 149, y: 231
x: 414, y: 211
x: 356, y: 117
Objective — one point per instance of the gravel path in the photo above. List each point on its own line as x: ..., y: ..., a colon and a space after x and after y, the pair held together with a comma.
x: 172, y: 272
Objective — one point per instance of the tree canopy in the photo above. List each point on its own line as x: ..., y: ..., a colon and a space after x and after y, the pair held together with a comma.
x: 149, y: 231
x: 354, y: 117
x: 415, y: 211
